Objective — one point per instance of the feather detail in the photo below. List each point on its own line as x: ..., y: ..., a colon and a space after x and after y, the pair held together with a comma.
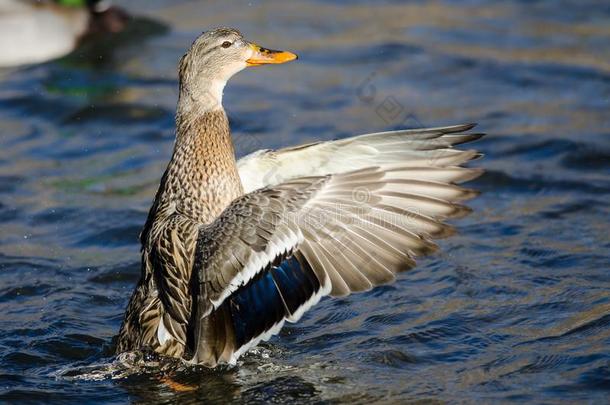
x: 324, y: 238
x: 424, y: 148
x: 328, y: 218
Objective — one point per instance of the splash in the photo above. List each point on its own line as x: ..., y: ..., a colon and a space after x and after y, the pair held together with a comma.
x: 122, y: 366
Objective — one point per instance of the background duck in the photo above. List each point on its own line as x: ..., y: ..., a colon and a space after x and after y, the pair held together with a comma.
x: 233, y: 249
x: 38, y: 31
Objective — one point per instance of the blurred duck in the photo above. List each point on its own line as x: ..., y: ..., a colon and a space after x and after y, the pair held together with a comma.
x: 38, y: 31
x: 231, y: 250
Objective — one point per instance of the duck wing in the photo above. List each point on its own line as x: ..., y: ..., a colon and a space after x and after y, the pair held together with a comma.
x: 430, y: 147
x: 273, y: 253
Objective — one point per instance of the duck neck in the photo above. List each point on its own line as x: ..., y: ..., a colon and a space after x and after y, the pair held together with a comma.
x: 201, y: 178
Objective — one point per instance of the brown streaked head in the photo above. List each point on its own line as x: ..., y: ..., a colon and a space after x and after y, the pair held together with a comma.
x: 218, y: 54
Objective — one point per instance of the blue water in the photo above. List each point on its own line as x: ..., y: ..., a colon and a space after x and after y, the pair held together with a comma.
x: 516, y: 307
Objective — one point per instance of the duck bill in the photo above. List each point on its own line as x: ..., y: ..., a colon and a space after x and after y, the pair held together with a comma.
x: 264, y: 56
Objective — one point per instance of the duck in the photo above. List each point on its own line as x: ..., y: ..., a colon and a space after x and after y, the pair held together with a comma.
x: 233, y: 249
x: 39, y: 31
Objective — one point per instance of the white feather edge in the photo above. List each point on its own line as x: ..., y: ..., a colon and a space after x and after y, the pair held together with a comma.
x: 259, y: 260
x: 275, y: 329
x: 163, y: 334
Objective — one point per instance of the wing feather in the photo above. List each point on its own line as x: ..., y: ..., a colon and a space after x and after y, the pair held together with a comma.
x: 274, y: 252
x: 430, y: 147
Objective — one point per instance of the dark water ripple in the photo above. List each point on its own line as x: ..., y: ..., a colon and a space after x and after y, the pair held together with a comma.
x: 514, y: 308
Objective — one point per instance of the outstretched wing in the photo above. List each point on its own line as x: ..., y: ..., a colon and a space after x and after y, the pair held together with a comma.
x: 430, y: 147
x: 274, y: 252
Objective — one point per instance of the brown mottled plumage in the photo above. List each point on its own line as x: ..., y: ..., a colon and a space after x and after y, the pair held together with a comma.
x: 231, y: 250
x: 199, y: 182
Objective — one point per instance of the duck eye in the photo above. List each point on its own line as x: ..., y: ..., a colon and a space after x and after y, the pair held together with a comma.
x: 226, y: 44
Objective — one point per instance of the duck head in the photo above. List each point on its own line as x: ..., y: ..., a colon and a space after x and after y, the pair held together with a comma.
x: 106, y: 18
x: 214, y: 58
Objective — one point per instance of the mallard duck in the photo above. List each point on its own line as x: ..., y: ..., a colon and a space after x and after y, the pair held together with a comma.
x: 38, y: 31
x: 232, y: 250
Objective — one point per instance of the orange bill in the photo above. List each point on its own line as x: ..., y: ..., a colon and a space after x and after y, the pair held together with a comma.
x: 263, y: 56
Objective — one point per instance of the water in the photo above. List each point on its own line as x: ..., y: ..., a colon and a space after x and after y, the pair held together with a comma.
x: 516, y: 307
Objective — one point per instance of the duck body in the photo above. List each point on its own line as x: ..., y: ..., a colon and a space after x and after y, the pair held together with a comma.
x: 39, y: 31
x: 232, y: 250
x: 32, y: 33
x: 200, y: 181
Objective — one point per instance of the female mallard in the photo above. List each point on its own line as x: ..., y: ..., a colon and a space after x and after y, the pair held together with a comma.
x: 233, y: 249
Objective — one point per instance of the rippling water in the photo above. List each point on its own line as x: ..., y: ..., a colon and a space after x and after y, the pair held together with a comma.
x: 516, y: 307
